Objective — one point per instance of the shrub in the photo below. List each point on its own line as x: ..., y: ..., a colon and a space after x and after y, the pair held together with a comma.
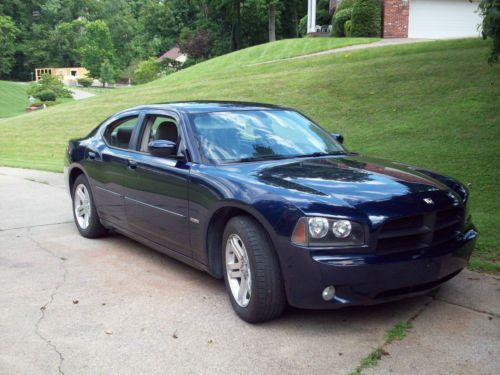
x: 48, y: 82
x: 348, y: 28
x: 147, y: 71
x: 303, y: 26
x: 366, y: 18
x: 85, y: 82
x: 345, y: 4
x: 339, y: 20
x: 47, y: 95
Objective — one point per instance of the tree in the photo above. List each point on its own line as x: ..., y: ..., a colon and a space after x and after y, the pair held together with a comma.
x: 107, y: 74
x: 146, y: 71
x: 490, y: 10
x: 8, y: 33
x: 97, y: 47
x: 65, y: 43
x: 195, y: 43
x: 271, y: 11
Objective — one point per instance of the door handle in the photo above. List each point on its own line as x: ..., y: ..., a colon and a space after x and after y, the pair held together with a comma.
x: 92, y: 155
x: 132, y: 164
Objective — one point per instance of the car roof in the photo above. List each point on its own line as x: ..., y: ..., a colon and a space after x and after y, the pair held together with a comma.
x: 202, y: 106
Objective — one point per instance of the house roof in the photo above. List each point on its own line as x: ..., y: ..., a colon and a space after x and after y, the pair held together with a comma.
x: 172, y: 54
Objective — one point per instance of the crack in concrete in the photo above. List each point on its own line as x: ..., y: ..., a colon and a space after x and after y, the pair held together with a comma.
x: 467, y: 307
x: 386, y: 343
x: 37, y: 225
x: 51, y: 299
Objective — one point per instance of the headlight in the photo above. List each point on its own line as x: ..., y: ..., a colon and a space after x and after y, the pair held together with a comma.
x: 318, y: 227
x: 341, y: 228
x: 320, y: 231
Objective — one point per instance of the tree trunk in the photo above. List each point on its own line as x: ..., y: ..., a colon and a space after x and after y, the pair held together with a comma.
x: 271, y: 10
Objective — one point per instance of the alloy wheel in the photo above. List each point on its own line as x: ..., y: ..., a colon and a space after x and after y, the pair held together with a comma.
x: 238, y: 270
x: 81, y: 202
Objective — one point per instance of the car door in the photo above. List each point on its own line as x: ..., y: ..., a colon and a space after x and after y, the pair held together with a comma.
x: 156, y: 188
x: 106, y: 162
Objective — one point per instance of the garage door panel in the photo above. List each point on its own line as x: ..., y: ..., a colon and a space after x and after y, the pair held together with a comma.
x: 443, y: 19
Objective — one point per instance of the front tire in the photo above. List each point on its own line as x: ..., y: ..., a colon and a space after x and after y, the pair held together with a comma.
x: 84, y: 210
x: 251, y: 271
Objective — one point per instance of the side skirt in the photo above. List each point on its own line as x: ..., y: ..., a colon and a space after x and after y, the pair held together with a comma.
x: 155, y: 246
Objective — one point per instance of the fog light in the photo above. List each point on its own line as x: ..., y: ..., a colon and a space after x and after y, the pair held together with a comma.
x: 328, y: 293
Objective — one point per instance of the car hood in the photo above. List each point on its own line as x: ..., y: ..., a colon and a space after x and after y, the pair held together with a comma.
x: 373, y: 186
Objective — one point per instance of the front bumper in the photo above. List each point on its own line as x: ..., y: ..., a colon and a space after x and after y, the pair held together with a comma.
x: 367, y: 278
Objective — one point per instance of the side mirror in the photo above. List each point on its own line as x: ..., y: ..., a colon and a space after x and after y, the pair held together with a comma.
x: 162, y: 148
x: 338, y: 137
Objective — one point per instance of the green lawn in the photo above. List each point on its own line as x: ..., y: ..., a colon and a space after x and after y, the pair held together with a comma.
x: 431, y: 104
x: 13, y: 98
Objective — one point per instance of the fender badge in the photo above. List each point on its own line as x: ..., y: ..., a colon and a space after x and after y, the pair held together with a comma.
x: 428, y: 201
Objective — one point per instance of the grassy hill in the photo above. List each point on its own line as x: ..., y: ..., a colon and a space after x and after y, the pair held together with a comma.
x: 13, y: 98
x: 431, y: 104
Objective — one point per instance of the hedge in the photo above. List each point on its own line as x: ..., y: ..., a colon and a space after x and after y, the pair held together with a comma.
x: 339, y: 20
x: 366, y: 18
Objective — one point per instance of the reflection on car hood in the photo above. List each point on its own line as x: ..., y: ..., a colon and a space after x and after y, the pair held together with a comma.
x: 349, y: 181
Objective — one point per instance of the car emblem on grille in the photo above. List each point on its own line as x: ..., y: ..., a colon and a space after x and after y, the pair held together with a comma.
x: 428, y: 201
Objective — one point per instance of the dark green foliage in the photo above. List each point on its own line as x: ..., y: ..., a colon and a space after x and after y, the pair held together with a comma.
x: 366, y: 18
x: 339, y: 20
x: 63, y: 33
x: 345, y: 4
x: 48, y: 83
x: 47, y: 95
x: 490, y: 10
x: 85, y: 82
x: 8, y: 34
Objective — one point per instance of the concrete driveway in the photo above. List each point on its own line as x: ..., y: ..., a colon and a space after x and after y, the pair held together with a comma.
x: 69, y: 305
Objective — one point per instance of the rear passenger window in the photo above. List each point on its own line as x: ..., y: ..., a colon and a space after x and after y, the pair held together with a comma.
x: 119, y: 133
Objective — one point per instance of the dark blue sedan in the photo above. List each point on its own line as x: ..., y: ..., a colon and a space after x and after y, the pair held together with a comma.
x: 263, y: 197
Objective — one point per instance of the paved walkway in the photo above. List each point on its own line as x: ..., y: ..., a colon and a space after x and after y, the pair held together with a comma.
x: 70, y: 305
x: 80, y: 94
x: 380, y: 43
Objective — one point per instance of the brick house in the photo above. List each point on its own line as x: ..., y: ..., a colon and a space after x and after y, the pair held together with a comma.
x: 432, y: 19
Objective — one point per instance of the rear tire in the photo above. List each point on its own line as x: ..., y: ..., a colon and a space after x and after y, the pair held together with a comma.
x: 251, y: 271
x: 84, y: 210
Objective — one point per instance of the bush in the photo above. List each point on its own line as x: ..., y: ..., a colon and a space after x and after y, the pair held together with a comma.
x: 345, y: 4
x: 85, y: 82
x: 48, y: 82
x: 339, y: 20
x: 147, y: 71
x: 366, y: 18
x: 303, y: 26
x: 348, y: 28
x: 47, y: 95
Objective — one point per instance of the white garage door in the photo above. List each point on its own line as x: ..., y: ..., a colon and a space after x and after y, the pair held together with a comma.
x: 443, y: 19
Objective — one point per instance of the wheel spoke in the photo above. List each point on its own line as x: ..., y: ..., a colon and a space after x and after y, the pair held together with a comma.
x: 237, y: 248
x: 81, y: 195
x: 242, y: 293
x: 235, y: 274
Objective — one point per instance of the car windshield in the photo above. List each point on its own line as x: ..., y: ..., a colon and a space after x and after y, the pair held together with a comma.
x: 240, y: 136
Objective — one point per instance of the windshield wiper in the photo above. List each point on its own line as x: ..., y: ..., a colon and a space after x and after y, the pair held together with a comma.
x: 316, y: 154
x: 257, y: 158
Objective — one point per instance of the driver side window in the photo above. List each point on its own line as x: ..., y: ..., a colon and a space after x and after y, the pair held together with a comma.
x: 160, y: 128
